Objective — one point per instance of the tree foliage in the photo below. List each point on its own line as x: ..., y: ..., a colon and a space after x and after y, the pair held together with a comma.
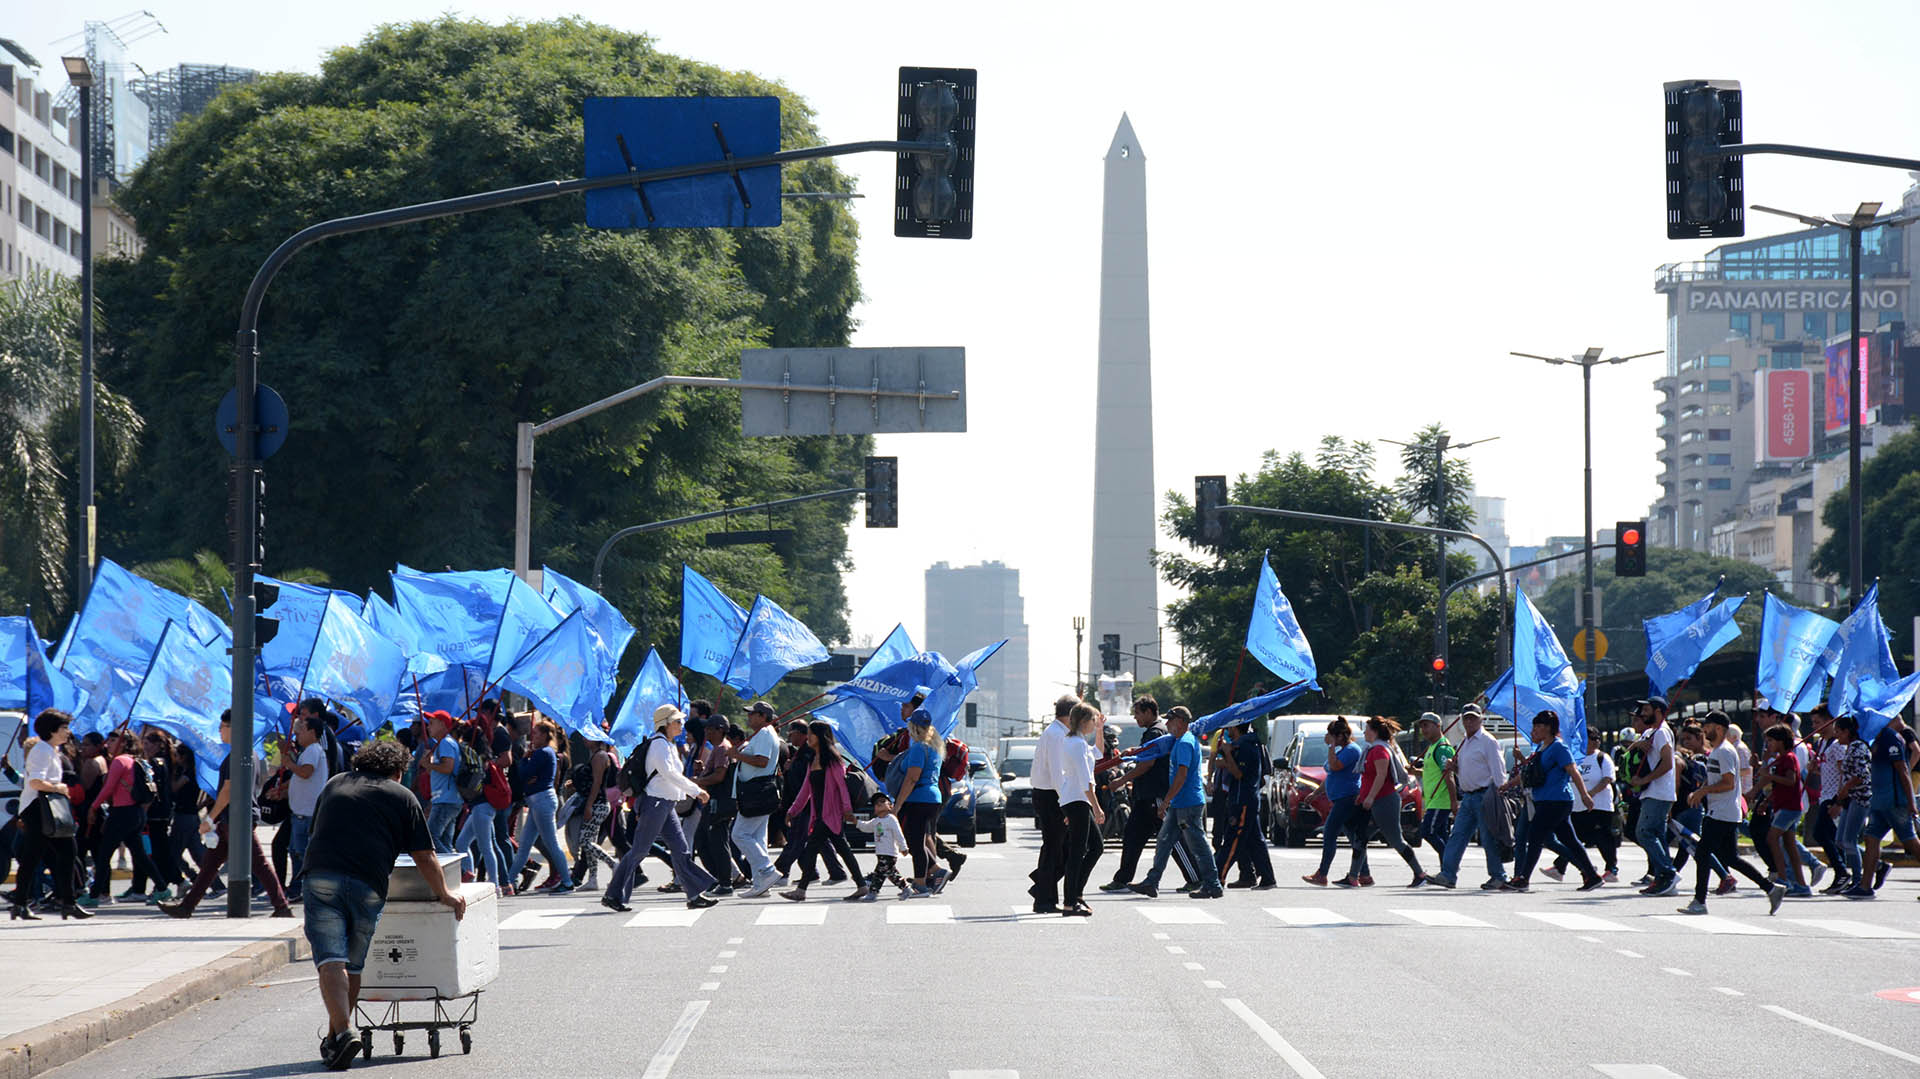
x: 1890, y: 531
x: 407, y: 355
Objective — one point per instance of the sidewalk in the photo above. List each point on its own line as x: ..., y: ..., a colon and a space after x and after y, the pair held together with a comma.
x: 67, y: 988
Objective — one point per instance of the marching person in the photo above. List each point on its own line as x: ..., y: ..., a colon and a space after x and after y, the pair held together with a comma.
x: 1383, y: 770
x: 756, y: 797
x: 1181, y: 809
x: 1891, y: 808
x: 1657, y: 792
x: 1146, y: 784
x: 1551, y: 776
x: 1343, y: 791
x: 41, y: 782
x: 538, y: 772
x: 1478, y: 771
x: 439, y: 757
x: 1046, y: 809
x: 119, y: 818
x: 920, y: 805
x: 1721, y: 826
x: 1247, y: 765
x: 1079, y: 807
x: 1851, y: 802
x: 1595, y: 826
x: 362, y: 821
x: 1436, y: 784
x: 224, y: 841
x: 824, y: 799
x: 665, y: 785
x: 1780, y: 781
x: 889, y: 843
x: 310, y: 775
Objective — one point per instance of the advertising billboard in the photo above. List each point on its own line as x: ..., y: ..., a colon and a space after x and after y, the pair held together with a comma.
x: 1837, y: 388
x: 1785, y: 416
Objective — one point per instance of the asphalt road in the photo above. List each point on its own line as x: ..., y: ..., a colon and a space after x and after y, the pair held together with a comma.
x: 1298, y: 981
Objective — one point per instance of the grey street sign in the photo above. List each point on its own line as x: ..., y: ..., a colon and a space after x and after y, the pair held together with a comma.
x: 852, y: 391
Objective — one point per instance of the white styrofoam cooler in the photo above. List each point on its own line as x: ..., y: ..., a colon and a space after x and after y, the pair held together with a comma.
x: 420, y: 952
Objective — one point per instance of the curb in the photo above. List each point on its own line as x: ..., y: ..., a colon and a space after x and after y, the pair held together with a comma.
x: 63, y: 1041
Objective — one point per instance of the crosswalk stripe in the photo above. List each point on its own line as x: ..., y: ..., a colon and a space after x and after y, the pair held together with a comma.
x: 1586, y: 922
x: 796, y: 914
x: 1863, y: 930
x: 664, y: 918
x: 1437, y: 916
x: 1636, y: 1071
x: 1170, y: 915
x: 1713, y: 923
x: 919, y: 914
x: 543, y: 918
x: 1308, y: 916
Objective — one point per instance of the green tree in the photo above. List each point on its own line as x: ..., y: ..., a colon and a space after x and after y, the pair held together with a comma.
x: 206, y: 578
x: 39, y: 434
x: 1674, y: 579
x: 407, y: 355
x: 1890, y: 531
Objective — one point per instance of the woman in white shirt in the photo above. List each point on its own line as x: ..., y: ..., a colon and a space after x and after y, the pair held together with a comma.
x: 1073, y: 778
x: 40, y: 784
x: 654, y: 818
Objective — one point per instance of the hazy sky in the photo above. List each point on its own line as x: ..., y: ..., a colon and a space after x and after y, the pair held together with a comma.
x: 1355, y: 212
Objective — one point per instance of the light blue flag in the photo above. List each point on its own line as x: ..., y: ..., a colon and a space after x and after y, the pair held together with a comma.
x: 1543, y: 677
x: 353, y: 664
x: 391, y: 624
x: 558, y: 673
x: 948, y: 699
x: 109, y: 645
x: 1662, y: 628
x: 455, y: 690
x: 525, y: 619
x: 1866, y: 682
x: 773, y: 643
x: 28, y: 683
x: 1680, y: 655
x: 868, y: 707
x: 1499, y: 695
x: 1251, y: 708
x: 567, y: 595
x: 299, y: 609
x: 898, y: 646
x: 652, y: 687
x: 457, y: 613
x: 1791, y: 642
x: 711, y: 625
x: 1274, y: 636
x: 185, y: 688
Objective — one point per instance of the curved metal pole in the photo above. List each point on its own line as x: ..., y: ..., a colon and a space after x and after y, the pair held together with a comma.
x: 600, y: 559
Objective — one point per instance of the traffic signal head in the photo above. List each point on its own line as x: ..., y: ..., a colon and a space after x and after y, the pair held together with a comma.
x: 883, y: 492
x: 265, y: 594
x: 1110, y: 653
x: 933, y: 191
x: 1439, y: 665
x: 1630, y: 549
x: 1209, y: 494
x: 1705, y: 188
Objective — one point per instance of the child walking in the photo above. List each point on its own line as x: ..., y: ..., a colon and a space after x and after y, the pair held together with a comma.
x: 889, y: 843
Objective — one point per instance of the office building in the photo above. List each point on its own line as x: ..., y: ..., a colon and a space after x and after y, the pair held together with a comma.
x: 41, y: 194
x: 972, y: 606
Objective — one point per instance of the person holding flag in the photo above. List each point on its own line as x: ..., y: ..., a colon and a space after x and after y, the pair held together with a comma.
x: 1891, y: 808
x: 224, y: 842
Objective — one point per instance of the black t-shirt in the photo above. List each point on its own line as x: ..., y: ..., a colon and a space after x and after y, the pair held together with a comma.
x: 361, y: 824
x: 1151, y: 785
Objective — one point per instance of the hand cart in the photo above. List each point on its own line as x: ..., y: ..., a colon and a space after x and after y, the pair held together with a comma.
x: 448, y: 1013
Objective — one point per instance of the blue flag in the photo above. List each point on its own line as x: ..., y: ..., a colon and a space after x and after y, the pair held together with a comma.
x: 391, y: 624
x: 1679, y: 655
x: 652, y: 687
x: 868, y: 707
x: 525, y: 619
x: 1543, y: 677
x: 183, y: 692
x: 1251, y: 708
x: 559, y: 674
x: 1791, y: 643
x: 1499, y: 695
x: 711, y: 625
x: 774, y: 643
x: 1274, y: 636
x: 1662, y: 628
x: 947, y: 700
x: 353, y: 664
x: 1866, y: 683
x: 299, y: 609
x: 568, y: 595
x: 109, y: 645
x: 456, y: 614
x: 28, y: 682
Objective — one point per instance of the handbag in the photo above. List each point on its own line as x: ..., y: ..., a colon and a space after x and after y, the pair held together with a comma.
x: 758, y: 796
x: 56, y: 820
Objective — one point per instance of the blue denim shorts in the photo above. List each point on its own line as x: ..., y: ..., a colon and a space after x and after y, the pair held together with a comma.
x: 341, y: 914
x: 1787, y: 819
x: 1896, y: 819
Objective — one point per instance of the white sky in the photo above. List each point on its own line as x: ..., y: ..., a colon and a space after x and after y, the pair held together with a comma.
x: 1355, y: 212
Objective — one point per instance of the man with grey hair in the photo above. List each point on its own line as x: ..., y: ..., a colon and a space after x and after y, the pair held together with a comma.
x: 1477, y: 771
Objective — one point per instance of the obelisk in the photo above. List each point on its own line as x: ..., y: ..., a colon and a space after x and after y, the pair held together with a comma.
x: 1123, y: 600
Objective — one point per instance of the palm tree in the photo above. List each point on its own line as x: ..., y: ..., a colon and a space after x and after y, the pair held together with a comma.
x: 39, y: 415
x: 206, y: 578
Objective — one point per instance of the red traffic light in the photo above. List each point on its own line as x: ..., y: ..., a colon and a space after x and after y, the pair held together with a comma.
x: 1439, y: 664
x: 1631, y: 537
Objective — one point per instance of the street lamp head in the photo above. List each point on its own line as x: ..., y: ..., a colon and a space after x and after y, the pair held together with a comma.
x: 80, y: 75
x: 1864, y: 215
x: 1593, y: 355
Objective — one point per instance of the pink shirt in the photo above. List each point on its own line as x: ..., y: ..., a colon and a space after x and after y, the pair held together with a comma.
x: 118, y: 789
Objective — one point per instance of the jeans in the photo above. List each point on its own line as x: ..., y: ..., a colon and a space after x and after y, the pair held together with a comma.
x: 301, y: 831
x: 1717, y: 838
x: 657, y: 821
x: 478, y: 832
x: 1650, y: 831
x: 1182, y: 827
x: 1436, y: 825
x: 1340, y: 822
x: 538, y: 827
x: 1143, y: 823
x: 1467, y: 826
x: 441, y: 818
x: 341, y: 913
x: 750, y: 835
x: 1853, y: 820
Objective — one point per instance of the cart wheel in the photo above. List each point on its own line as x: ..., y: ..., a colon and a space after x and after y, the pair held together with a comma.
x: 399, y: 1043
x: 466, y: 1040
x: 366, y: 1043
x: 433, y: 1043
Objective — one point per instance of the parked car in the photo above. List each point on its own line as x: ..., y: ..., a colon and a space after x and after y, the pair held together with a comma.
x: 1016, y: 772
x: 13, y: 726
x: 976, y: 806
x: 1295, y: 793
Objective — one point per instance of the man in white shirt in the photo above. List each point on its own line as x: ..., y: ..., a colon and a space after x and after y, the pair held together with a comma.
x: 303, y: 790
x: 1657, y: 792
x: 1047, y: 757
x: 1478, y: 770
x: 655, y: 819
x: 757, y: 758
x: 1719, y: 829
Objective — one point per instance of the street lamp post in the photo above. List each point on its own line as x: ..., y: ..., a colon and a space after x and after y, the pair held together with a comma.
x: 1440, y: 447
x: 81, y: 76
x: 1587, y: 362
x: 1079, y: 642
x: 1864, y: 217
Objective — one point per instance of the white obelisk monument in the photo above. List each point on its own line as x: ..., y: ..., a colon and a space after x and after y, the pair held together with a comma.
x: 1123, y: 488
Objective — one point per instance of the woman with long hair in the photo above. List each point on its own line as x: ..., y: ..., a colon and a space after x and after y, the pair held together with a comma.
x: 1343, y: 789
x: 1383, y: 771
x: 920, y: 798
x: 477, y: 834
x: 42, y: 786
x: 824, y: 803
x: 1081, y: 808
x: 538, y: 772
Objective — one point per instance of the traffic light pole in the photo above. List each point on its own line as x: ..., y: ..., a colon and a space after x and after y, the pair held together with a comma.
x: 600, y: 559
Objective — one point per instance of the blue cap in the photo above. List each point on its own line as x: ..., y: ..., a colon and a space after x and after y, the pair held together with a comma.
x: 921, y: 715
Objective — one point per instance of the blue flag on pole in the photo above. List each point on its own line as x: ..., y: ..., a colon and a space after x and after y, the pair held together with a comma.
x: 1791, y: 642
x: 109, y: 645
x: 299, y: 609
x: 868, y: 707
x: 654, y: 686
x: 948, y: 699
x: 1251, y: 708
x: 353, y: 664
x: 1677, y: 656
x: 1866, y: 683
x: 1543, y: 677
x: 773, y: 643
x: 184, y: 690
x: 711, y: 625
x: 559, y: 674
x: 391, y: 624
x: 28, y: 682
x: 1662, y: 628
x: 1274, y: 636
x: 457, y: 614
x: 568, y: 595
x: 525, y: 619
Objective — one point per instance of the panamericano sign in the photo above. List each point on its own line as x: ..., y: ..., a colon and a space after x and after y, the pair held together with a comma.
x: 1784, y: 297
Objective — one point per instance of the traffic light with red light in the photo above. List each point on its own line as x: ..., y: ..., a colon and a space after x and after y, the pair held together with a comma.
x: 1630, y: 549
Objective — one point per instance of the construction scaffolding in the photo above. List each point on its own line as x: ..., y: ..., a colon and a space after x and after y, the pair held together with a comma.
x: 179, y: 93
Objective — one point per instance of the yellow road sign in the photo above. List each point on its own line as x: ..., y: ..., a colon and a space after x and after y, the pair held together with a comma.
x: 1580, y: 645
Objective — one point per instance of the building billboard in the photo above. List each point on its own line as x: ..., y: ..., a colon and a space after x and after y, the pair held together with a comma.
x: 1785, y: 416
x: 1838, y: 390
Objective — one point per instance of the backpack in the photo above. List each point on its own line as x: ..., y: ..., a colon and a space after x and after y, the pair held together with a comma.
x: 496, y: 790
x: 954, y: 767
x: 143, y: 787
x: 634, y: 775
x: 860, y: 788
x: 468, y: 779
x: 581, y: 777
x: 1396, y: 766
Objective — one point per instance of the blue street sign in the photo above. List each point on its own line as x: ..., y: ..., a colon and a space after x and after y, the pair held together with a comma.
x: 269, y: 411
x: 636, y: 134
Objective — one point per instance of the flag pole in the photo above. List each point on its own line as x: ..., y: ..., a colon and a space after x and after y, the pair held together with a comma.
x: 802, y: 705
x: 1234, y: 688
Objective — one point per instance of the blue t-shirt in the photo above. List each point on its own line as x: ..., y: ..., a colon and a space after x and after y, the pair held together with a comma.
x: 1186, y: 752
x: 445, y: 792
x: 927, y: 788
x: 1558, y: 786
x: 1346, y: 782
x: 1889, y: 752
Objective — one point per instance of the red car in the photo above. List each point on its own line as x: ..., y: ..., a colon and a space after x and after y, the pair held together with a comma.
x: 1298, y: 802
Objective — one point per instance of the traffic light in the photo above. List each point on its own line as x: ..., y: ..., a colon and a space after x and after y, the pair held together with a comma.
x: 1110, y: 653
x: 883, y: 492
x: 973, y: 714
x: 236, y: 490
x: 1705, y: 190
x: 933, y: 193
x: 1209, y: 494
x: 1630, y: 549
x: 265, y: 594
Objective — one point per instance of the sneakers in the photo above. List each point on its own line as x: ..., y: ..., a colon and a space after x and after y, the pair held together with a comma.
x: 1858, y: 891
x: 1187, y: 887
x: 175, y: 910
x: 759, y: 889
x: 562, y: 888
x: 1347, y: 882
x: 1695, y: 907
x: 1441, y: 882
x: 1774, y: 895
x: 1553, y: 874
x: 164, y: 895
x: 938, y: 881
x: 797, y: 895
x: 1814, y: 872
x: 1493, y: 884
x: 1841, y: 882
x: 1266, y: 885
x: 857, y: 895
x: 1799, y: 891
x: 1664, y: 886
x: 337, y: 1050
x: 1645, y: 880
x: 1727, y: 886
x: 1364, y: 881
x: 1206, y: 893
x: 1150, y: 891
x: 1592, y: 883
x: 1517, y: 884
x: 1611, y: 876
x: 1880, y: 873
x: 1115, y: 886
x: 1319, y: 880
x: 954, y: 865
x: 134, y: 896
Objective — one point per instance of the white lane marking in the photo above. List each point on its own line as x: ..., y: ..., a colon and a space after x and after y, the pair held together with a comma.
x: 1211, y: 984
x: 1628, y: 953
x: 1300, y: 1065
x: 1175, y: 949
x: 544, y: 918
x: 1636, y: 1071
x: 985, y: 1073
x: 1727, y: 991
x: 1186, y: 915
x: 1193, y: 966
x: 1435, y: 916
x: 1676, y: 972
x: 718, y: 968
x: 736, y: 940
x: 708, y: 987
x: 1838, y: 1033
x: 1713, y: 923
x: 1161, y: 936
x: 662, y: 1063
x: 1308, y: 916
x: 1584, y: 922
x: 1589, y: 940
x: 797, y: 914
x: 1864, y: 930
x: 728, y: 954
x: 663, y: 918
x: 919, y: 914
